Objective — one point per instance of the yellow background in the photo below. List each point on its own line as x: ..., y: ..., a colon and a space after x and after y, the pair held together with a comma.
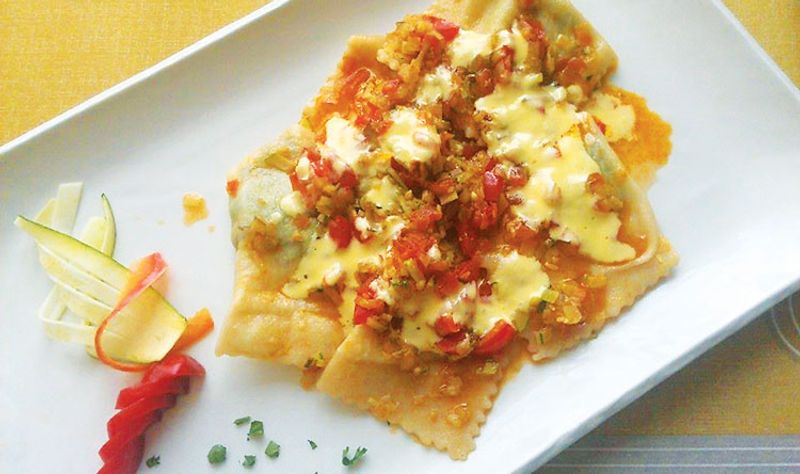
x: 55, y: 54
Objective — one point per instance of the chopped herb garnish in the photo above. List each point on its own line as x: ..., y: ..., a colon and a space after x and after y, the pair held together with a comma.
x: 256, y: 429
x: 241, y: 421
x: 541, y: 306
x: 273, y: 450
x: 400, y: 283
x: 541, y: 337
x: 312, y: 444
x: 360, y: 453
x: 217, y: 454
x: 153, y: 461
x: 249, y: 460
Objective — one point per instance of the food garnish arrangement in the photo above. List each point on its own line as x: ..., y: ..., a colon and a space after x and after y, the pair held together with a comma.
x: 464, y: 194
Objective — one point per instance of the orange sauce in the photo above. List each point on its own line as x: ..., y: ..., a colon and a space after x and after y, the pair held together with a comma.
x: 651, y: 145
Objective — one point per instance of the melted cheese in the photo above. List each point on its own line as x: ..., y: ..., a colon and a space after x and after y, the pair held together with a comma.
x: 556, y: 191
x: 532, y: 125
x: 292, y: 204
x: 525, y: 119
x: 436, y: 85
x: 518, y: 282
x: 324, y: 264
x: 421, y: 312
x: 409, y: 139
x: 383, y: 194
x: 467, y: 46
x: 345, y: 142
x: 619, y: 119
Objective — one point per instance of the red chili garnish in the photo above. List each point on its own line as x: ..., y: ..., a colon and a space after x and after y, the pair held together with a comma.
x: 140, y: 406
x: 492, y: 186
x: 341, y: 231
x: 424, y: 218
x: 496, y: 339
x: 446, y: 325
x: 445, y: 28
x: 232, y: 187
x: 449, y: 344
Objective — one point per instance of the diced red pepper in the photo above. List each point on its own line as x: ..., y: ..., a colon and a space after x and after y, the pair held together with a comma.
x: 468, y: 270
x: 446, y: 284
x: 485, y: 289
x: 493, y: 185
x: 516, y: 177
x: 496, y: 339
x: 137, y: 410
x: 341, y: 231
x: 348, y: 179
x: 467, y: 239
x: 446, y: 325
x: 445, y: 28
x: 449, y: 344
x: 424, y: 219
x: 411, y: 245
x: 485, y: 214
x: 174, y: 366
x: 443, y: 186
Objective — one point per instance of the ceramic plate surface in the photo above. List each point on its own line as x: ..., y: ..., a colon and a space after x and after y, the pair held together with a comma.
x: 729, y: 201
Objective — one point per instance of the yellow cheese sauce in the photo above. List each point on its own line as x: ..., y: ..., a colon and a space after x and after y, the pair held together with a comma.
x: 535, y: 126
x: 325, y: 265
x: 409, y: 139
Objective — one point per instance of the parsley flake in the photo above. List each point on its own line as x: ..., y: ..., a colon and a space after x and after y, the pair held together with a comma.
x: 541, y: 307
x: 360, y: 453
x: 241, y: 421
x: 312, y: 444
x: 273, y: 450
x: 249, y: 461
x: 217, y: 454
x: 153, y: 461
x: 256, y: 429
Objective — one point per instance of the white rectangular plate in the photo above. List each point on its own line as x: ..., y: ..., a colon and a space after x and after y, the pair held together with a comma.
x: 729, y: 201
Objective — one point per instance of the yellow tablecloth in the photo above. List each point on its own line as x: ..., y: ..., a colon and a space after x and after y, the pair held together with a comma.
x: 55, y: 54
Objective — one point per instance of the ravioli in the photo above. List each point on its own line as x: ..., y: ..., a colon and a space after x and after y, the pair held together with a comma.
x: 451, y: 202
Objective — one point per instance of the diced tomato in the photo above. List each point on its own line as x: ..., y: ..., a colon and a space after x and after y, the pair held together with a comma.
x: 468, y: 270
x: 409, y: 179
x: 485, y: 289
x: 571, y: 71
x: 348, y: 179
x: 424, y: 218
x: 322, y: 168
x: 600, y: 125
x: 341, y: 231
x: 496, y: 339
x: 446, y: 325
x: 352, y: 83
x: 484, y: 214
x: 516, y: 177
x: 536, y: 31
x: 445, y: 28
x: 492, y: 186
x: 232, y: 187
x: 443, y: 186
x: 361, y: 315
x: 446, y: 284
x: 449, y: 344
x: 411, y: 245
x: 390, y: 87
x: 467, y: 239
